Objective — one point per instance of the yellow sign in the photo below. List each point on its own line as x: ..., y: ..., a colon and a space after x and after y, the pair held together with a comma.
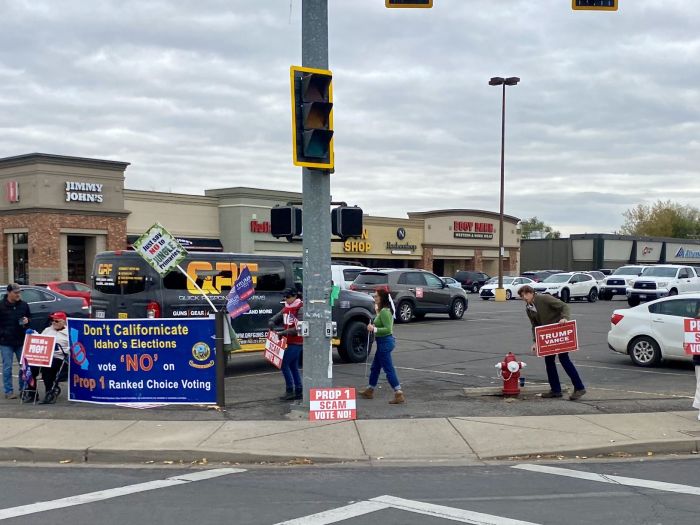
x: 361, y: 246
x: 214, y: 278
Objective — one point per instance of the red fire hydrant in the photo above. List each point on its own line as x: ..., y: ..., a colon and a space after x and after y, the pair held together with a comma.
x: 509, y: 370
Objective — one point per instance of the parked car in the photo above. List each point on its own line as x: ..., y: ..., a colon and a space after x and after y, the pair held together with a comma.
x: 661, y: 280
x: 536, y: 275
x: 70, y: 289
x: 43, y: 302
x: 598, y: 276
x: 605, y: 271
x: 619, y: 281
x: 344, y: 274
x: 511, y: 285
x: 414, y: 292
x: 452, y: 283
x: 471, y: 281
x: 570, y: 285
x: 653, y: 331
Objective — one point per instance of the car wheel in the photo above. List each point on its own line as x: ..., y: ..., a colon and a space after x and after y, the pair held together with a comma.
x: 405, y: 312
x: 673, y: 291
x: 457, y: 309
x: 633, y: 301
x: 353, y: 345
x: 644, y: 351
x: 509, y: 295
x: 593, y: 295
x: 475, y: 288
x: 565, y: 295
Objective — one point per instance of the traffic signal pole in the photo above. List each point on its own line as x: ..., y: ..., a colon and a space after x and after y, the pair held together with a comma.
x: 316, y: 221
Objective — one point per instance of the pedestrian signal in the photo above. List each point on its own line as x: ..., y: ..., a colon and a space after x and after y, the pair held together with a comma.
x: 285, y: 221
x: 312, y: 117
x: 346, y: 221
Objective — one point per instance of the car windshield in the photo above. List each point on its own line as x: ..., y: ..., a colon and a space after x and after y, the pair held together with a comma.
x: 660, y: 272
x: 628, y: 270
x: 557, y: 278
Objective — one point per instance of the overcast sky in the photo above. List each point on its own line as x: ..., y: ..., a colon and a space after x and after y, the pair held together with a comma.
x: 195, y: 95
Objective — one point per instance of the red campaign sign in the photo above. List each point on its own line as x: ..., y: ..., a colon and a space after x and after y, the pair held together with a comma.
x: 38, y: 349
x: 556, y: 338
x: 274, y: 348
x: 691, y: 336
x: 419, y: 293
x: 332, y: 404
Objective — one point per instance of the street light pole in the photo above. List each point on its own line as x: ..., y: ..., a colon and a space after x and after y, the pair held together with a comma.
x: 500, y: 81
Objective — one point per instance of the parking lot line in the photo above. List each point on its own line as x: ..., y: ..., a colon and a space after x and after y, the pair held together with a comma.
x: 638, y: 370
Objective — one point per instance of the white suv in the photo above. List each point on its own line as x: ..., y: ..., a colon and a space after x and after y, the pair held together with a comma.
x: 619, y: 281
x: 661, y: 280
x: 344, y: 274
x: 570, y: 285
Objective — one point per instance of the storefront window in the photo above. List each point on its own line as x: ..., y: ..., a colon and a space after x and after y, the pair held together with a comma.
x: 20, y: 257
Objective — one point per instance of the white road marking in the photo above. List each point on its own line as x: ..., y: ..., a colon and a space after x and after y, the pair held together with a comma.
x: 100, y: 495
x: 431, y: 371
x: 385, y: 502
x: 617, y: 480
x: 638, y: 370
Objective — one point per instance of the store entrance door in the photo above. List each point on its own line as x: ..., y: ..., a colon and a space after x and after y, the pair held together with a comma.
x: 76, y: 258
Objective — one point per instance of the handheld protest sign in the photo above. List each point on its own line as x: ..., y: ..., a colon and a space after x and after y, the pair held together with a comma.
x: 556, y: 338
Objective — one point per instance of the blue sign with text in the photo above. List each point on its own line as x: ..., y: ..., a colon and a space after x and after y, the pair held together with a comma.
x: 142, y: 361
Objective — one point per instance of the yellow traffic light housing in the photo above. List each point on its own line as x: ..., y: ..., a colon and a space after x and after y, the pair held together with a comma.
x: 312, y: 117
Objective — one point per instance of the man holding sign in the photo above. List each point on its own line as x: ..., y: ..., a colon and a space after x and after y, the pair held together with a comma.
x: 546, y: 310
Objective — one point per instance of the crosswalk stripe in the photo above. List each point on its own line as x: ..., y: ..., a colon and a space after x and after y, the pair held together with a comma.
x: 617, y: 480
x: 100, y: 495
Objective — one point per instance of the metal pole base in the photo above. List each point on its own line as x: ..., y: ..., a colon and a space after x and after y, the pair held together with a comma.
x: 500, y: 294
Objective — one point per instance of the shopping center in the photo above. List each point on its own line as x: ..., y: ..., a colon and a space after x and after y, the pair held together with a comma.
x: 59, y: 211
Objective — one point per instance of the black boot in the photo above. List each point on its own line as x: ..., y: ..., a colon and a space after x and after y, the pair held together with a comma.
x: 288, y: 396
x: 299, y: 393
x: 48, y: 399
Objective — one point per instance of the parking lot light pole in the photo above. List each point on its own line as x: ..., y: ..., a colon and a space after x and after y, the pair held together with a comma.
x: 500, y: 81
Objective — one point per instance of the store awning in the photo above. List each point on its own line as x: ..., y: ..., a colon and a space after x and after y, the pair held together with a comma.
x: 191, y: 244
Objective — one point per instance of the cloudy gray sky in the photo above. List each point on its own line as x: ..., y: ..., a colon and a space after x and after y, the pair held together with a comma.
x: 195, y: 94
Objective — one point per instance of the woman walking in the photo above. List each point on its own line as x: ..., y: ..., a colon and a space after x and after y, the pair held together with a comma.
x: 383, y: 330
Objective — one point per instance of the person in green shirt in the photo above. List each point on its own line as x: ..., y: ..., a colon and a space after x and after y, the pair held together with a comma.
x: 382, y: 327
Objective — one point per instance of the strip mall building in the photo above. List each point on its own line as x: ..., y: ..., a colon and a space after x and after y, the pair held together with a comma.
x: 58, y: 212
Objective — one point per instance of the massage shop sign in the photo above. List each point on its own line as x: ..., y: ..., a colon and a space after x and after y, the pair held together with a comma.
x: 142, y: 361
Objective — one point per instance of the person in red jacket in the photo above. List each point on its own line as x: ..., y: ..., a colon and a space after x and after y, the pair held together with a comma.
x: 289, y: 318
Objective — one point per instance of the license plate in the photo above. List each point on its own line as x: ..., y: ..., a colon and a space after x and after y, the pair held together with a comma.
x: 617, y: 291
x: 99, y: 314
x: 642, y: 296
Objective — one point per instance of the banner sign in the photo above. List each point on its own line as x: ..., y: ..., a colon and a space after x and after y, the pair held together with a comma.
x: 691, y: 338
x: 274, y: 348
x: 160, y: 249
x: 332, y: 404
x: 142, y: 360
x: 236, y: 302
x: 556, y: 338
x: 38, y: 349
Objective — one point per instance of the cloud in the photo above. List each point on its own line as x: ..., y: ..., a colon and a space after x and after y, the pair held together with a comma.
x: 196, y: 96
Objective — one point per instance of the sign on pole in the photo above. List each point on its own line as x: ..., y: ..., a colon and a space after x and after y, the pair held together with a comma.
x: 691, y: 339
x: 332, y: 404
x: 556, y: 338
x: 38, y: 349
x: 160, y: 249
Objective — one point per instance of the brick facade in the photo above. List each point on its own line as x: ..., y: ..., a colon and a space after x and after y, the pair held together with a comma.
x: 44, y: 228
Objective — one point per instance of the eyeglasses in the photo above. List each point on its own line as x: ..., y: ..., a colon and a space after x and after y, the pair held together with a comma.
x: 57, y: 321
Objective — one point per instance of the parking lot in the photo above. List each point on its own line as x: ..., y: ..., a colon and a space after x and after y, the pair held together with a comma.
x: 436, y: 359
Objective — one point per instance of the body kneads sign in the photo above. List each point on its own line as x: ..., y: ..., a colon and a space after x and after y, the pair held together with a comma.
x: 556, y: 338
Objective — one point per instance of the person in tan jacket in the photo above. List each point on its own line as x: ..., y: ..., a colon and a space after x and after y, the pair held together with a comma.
x: 542, y: 310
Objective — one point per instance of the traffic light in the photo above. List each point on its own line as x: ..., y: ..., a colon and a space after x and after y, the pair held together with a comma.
x: 285, y: 221
x: 312, y: 117
x: 408, y: 3
x: 594, y: 5
x: 346, y: 221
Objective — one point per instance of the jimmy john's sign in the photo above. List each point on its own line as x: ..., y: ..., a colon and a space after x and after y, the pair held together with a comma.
x: 83, y: 192
x: 473, y: 230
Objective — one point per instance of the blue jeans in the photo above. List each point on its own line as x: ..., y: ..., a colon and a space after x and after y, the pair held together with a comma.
x: 569, y: 368
x: 290, y: 367
x: 382, y: 361
x: 8, y: 352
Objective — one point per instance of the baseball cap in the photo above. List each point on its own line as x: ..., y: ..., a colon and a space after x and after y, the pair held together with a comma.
x: 13, y: 287
x: 290, y: 292
x: 59, y: 315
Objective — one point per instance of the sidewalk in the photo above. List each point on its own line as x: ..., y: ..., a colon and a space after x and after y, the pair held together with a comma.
x: 458, y: 439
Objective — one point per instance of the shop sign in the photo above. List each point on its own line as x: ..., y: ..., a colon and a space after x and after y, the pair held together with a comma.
x: 401, y: 247
x: 473, y: 230
x: 685, y: 253
x: 361, y: 246
x: 260, y: 227
x: 83, y: 192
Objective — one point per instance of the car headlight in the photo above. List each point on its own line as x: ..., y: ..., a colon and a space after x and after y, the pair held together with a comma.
x: 662, y: 284
x: 629, y: 282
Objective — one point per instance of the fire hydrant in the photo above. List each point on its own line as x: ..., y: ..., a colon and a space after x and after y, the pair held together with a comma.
x: 509, y: 370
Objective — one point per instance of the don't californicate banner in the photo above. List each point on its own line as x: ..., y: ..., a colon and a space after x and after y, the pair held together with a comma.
x: 556, y: 338
x: 242, y: 289
x: 142, y: 361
